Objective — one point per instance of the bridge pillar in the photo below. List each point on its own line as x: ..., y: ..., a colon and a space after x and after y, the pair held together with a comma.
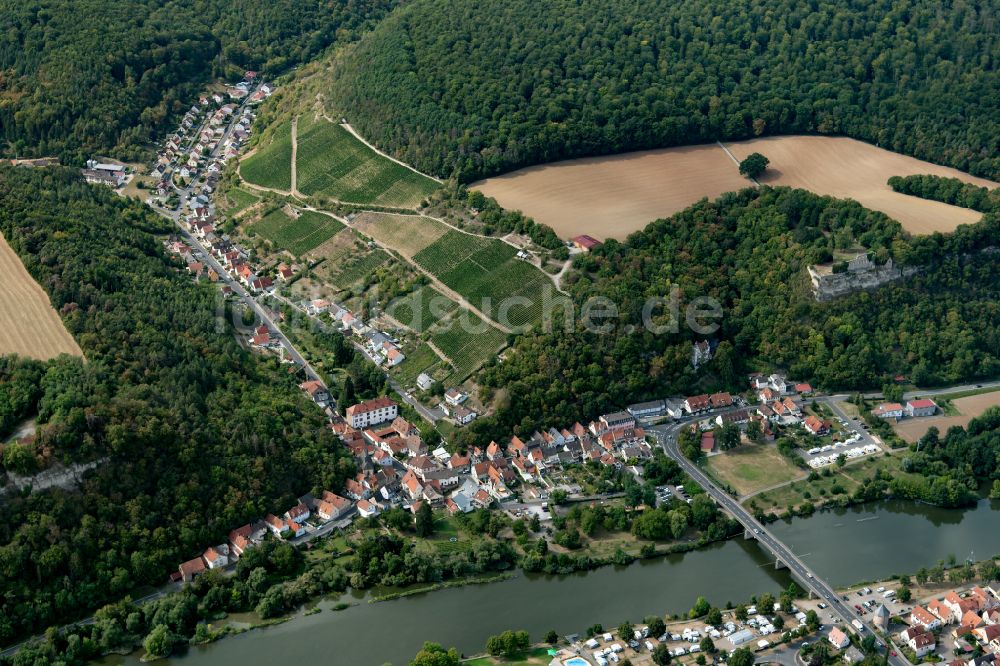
x: 747, y: 534
x: 778, y: 564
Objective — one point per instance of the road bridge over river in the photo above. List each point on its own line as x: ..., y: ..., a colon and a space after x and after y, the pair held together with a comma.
x: 784, y: 557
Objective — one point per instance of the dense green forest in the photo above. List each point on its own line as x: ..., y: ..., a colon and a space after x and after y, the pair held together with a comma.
x: 91, y: 76
x: 949, y: 190
x: 195, y: 435
x: 484, y: 86
x: 749, y: 251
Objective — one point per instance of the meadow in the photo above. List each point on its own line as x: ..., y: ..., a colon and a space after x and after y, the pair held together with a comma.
x: 31, y: 326
x: 406, y: 234
x: 752, y: 467
x: 331, y: 162
x: 270, y: 164
x: 238, y: 200
x: 612, y: 196
x: 421, y: 359
x: 297, y: 235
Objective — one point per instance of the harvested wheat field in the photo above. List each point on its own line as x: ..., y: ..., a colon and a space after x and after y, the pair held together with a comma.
x: 610, y: 197
x: 30, y: 325
x: 851, y: 169
x: 968, y: 408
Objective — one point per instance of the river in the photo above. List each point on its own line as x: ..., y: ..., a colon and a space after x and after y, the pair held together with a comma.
x: 845, y: 546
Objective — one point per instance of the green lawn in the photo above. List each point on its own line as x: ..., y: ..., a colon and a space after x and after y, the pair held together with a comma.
x: 468, y: 342
x: 239, y: 200
x: 331, y: 162
x: 752, y: 467
x: 271, y: 164
x: 419, y: 360
x: 484, y: 268
x: 297, y: 235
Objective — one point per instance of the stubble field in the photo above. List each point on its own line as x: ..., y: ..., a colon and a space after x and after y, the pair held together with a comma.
x: 968, y: 408
x: 30, y: 325
x: 850, y: 169
x: 610, y: 197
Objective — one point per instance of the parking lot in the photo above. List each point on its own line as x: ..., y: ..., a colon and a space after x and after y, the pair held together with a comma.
x: 855, y: 442
x: 666, y: 493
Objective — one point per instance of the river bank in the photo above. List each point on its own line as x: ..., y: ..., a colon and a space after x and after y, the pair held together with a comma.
x: 867, y: 542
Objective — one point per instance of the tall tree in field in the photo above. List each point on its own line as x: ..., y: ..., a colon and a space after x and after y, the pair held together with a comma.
x: 754, y: 165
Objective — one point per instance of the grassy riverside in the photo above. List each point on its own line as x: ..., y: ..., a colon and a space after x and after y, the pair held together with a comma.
x: 271, y: 163
x: 832, y: 486
x: 331, y: 162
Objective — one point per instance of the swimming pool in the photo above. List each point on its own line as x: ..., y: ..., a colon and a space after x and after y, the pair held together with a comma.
x: 576, y: 661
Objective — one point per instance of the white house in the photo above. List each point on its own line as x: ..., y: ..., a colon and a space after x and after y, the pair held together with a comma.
x: 921, y: 407
x: 371, y: 412
x: 463, y: 415
x: 217, y: 556
x: 424, y: 381
x: 455, y: 397
x: 889, y: 410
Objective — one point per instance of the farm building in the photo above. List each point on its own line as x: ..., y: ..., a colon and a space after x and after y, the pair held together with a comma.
x: 585, y: 242
x: 921, y: 407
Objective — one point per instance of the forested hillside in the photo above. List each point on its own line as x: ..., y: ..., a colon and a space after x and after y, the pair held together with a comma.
x: 749, y: 251
x: 484, y: 86
x: 86, y: 76
x: 196, y: 436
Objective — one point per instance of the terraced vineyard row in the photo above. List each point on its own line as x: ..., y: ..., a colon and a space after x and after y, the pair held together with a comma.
x: 297, y: 235
x: 489, y: 275
x: 421, y: 309
x: 271, y: 164
x: 331, y: 162
x: 468, y: 342
x: 359, y: 267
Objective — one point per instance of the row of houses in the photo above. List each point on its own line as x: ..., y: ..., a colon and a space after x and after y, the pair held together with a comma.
x: 289, y: 525
x: 969, y: 619
x: 383, y: 444
x: 190, y: 155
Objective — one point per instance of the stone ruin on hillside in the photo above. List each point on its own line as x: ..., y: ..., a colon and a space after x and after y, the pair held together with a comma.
x: 861, y: 273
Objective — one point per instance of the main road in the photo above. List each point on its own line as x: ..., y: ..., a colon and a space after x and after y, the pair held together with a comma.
x: 667, y: 437
x: 206, y: 253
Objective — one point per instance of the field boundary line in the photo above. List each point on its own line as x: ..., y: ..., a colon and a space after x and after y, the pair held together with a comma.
x: 735, y: 161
